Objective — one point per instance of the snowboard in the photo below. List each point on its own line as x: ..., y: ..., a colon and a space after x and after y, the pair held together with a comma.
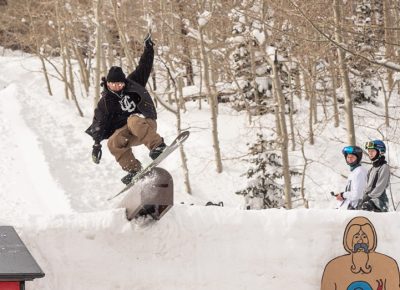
x: 146, y: 170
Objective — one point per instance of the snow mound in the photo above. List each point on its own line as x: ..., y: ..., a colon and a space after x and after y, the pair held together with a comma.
x: 194, y: 247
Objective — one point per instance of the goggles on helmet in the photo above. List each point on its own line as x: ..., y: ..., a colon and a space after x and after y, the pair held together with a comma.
x: 349, y: 150
x: 370, y: 145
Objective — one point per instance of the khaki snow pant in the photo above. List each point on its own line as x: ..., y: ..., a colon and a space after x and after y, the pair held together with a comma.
x: 136, y: 132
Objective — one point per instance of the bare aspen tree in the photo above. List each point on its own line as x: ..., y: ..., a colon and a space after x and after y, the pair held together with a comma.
x: 291, y: 105
x: 291, y: 121
x: 62, y: 41
x: 345, y: 76
x: 67, y: 75
x: 45, y: 73
x: 334, y: 86
x: 35, y: 34
x: 178, y: 98
x: 122, y: 34
x: 314, y: 100
x: 201, y: 81
x: 175, y: 80
x: 179, y: 129
x: 386, y: 96
x: 84, y: 72
x: 108, y: 48
x: 298, y: 83
x: 303, y: 175
x: 211, y: 99
x: 283, y: 138
x: 182, y: 103
x: 254, y: 75
x: 185, y: 45
x: 310, y: 95
x: 70, y: 82
x: 389, y: 40
x: 396, y: 27
x: 79, y: 44
x: 98, y: 56
x: 389, y: 52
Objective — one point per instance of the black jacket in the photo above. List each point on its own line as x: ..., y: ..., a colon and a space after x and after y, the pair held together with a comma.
x: 113, y: 109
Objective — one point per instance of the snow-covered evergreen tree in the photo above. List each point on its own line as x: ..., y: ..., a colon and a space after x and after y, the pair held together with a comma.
x: 364, y: 42
x: 251, y: 73
x: 265, y: 185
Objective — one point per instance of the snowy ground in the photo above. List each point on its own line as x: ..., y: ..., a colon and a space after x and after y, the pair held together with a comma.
x: 56, y: 197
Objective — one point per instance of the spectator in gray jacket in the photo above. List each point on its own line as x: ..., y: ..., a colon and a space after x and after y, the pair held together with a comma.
x: 375, y: 197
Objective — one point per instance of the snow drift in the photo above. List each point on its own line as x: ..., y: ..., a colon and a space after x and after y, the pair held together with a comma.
x: 195, y: 247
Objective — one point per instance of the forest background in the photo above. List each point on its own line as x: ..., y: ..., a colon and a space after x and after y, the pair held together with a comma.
x: 296, y: 69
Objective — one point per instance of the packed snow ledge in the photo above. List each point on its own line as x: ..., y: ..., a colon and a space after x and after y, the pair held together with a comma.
x: 194, y: 247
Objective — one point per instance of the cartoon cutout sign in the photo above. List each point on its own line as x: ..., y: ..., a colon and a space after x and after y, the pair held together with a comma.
x: 362, y: 268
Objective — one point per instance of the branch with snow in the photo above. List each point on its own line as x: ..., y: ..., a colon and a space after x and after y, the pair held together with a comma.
x: 388, y: 64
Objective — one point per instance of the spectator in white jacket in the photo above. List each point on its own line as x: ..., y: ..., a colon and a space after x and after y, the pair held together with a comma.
x: 356, y: 181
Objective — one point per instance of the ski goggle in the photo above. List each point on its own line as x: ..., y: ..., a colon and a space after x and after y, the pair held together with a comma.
x: 349, y: 150
x: 370, y: 145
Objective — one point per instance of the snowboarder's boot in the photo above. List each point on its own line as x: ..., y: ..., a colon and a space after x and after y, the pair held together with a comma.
x: 128, y: 178
x: 155, y: 152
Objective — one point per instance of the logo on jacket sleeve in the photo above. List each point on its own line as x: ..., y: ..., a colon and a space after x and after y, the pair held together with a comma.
x: 127, y: 104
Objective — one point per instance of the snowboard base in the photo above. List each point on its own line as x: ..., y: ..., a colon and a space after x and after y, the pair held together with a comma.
x: 152, y: 195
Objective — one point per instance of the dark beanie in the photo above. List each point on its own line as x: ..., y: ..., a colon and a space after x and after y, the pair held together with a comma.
x: 115, y: 74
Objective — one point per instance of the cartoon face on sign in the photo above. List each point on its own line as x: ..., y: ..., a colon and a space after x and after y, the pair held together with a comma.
x: 362, y: 268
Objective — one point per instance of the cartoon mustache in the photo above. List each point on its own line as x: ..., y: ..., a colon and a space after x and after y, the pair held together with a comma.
x: 360, y: 247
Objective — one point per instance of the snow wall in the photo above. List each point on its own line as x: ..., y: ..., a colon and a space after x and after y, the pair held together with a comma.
x: 195, y: 247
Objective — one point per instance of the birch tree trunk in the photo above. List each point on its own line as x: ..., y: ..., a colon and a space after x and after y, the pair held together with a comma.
x: 389, y: 49
x: 348, y: 103
x: 46, y: 75
x: 98, y: 55
x: 298, y: 83
x: 181, y: 150
x: 309, y: 95
x: 178, y: 97
x: 334, y: 96
x: 38, y: 47
x: 61, y: 38
x: 389, y: 53
x: 82, y: 69
x: 71, y: 81
x: 313, y: 92
x: 291, y: 107
x: 283, y: 138
x: 185, y: 45
x: 212, y: 103
x: 253, y: 77
x: 303, y: 176
x: 122, y: 36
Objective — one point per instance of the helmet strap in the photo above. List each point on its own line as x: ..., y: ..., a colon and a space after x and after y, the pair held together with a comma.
x: 377, y: 156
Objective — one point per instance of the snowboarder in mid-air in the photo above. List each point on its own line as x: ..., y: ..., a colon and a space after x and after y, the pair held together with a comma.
x: 126, y: 115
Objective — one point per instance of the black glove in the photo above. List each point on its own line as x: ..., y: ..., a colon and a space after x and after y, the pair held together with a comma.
x: 366, y: 199
x: 96, y: 153
x: 103, y: 82
x: 148, y: 42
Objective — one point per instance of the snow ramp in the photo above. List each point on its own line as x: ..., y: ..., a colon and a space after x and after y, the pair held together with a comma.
x: 194, y: 247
